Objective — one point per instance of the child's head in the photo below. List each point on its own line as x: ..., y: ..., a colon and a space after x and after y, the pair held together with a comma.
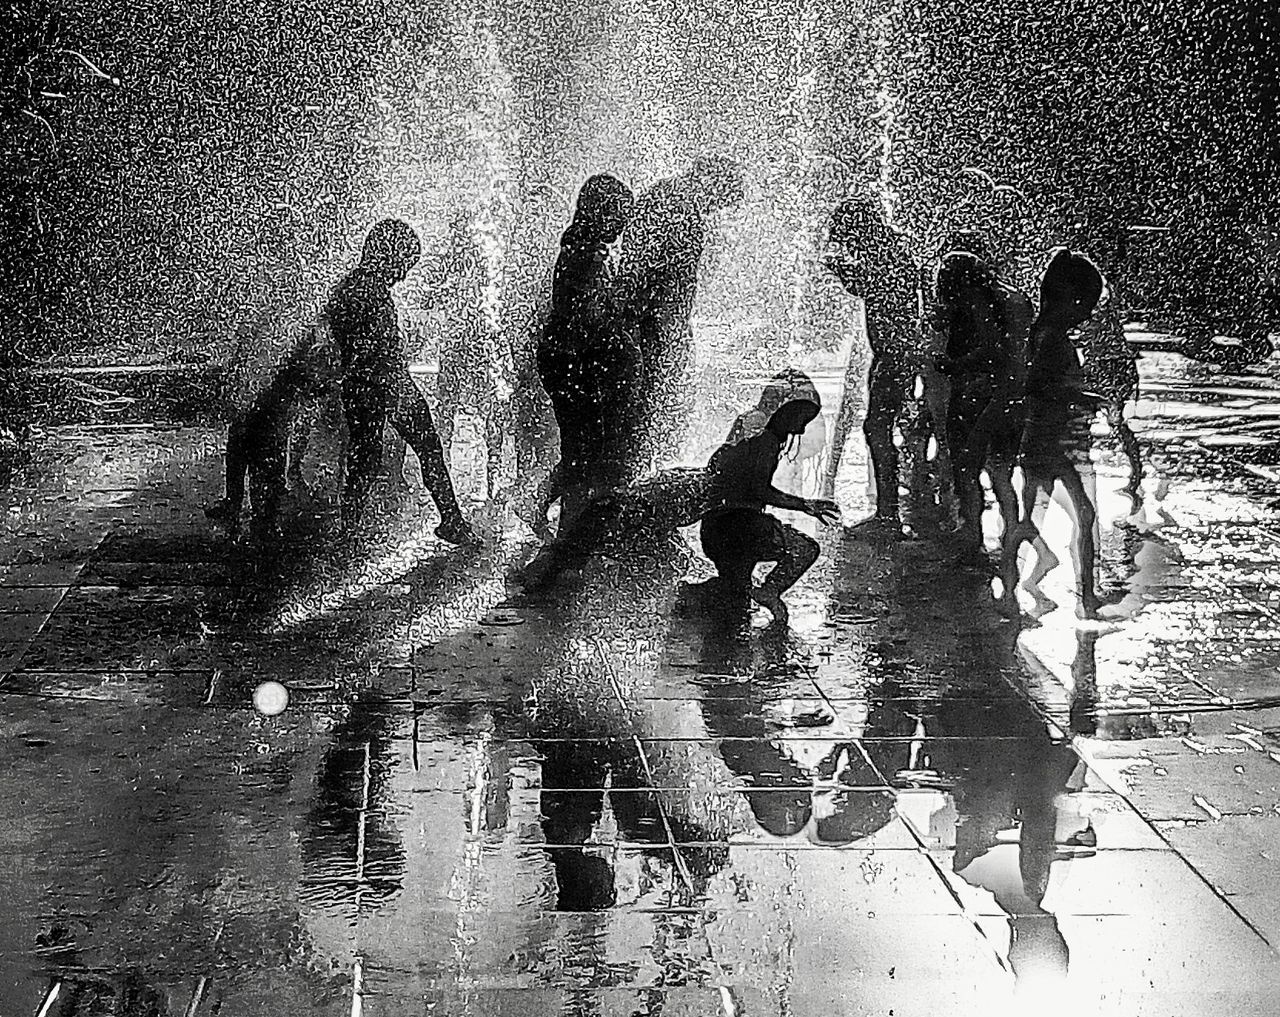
x: 391, y: 249
x: 860, y: 243
x: 792, y: 417
x: 605, y: 205
x: 1070, y: 289
x: 785, y: 386
x: 961, y: 272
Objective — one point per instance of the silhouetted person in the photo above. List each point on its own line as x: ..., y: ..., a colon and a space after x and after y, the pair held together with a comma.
x: 986, y: 325
x: 258, y: 440
x: 376, y: 386
x: 657, y: 285
x: 1058, y: 414
x: 584, y: 360
x: 737, y: 534
x: 1111, y: 370
x: 528, y: 271
x: 873, y: 263
x: 471, y: 348
x: 641, y: 517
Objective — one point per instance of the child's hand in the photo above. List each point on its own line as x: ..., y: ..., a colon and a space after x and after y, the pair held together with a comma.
x: 823, y: 511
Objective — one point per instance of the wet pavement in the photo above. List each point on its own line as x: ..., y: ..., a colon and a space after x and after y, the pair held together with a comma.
x: 616, y: 800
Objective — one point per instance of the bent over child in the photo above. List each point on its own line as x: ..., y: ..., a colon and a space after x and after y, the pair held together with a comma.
x: 738, y: 534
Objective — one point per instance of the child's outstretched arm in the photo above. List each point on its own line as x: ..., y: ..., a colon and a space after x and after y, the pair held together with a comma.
x: 823, y: 511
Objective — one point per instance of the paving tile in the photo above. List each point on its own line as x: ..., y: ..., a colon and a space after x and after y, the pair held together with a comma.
x: 296, y: 990
x: 1238, y: 857
x: 133, y: 574
x: 101, y: 627
x: 876, y: 930
x: 768, y: 882
x: 532, y: 948
x: 58, y: 574
x: 1171, y: 779
x: 171, y: 688
x: 24, y: 599
x: 20, y: 626
x: 1257, y: 725
x: 11, y: 656
x: 384, y: 997
x: 1127, y: 965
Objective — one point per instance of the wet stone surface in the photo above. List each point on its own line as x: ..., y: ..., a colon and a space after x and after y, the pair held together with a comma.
x: 605, y: 801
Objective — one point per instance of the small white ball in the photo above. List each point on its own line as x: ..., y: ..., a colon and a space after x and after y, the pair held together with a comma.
x: 270, y: 699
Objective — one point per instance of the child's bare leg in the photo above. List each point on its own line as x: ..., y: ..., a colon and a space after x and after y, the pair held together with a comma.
x: 366, y: 416
x: 883, y: 408
x: 412, y: 418
x: 1022, y: 530
x: 546, y: 495
x: 799, y: 552
x: 1037, y: 494
x: 1001, y: 473
x: 967, y: 473
x: 1086, y: 546
x: 448, y: 403
x: 841, y: 430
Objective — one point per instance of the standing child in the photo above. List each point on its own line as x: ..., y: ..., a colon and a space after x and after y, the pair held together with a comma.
x: 585, y: 366
x: 986, y: 325
x: 737, y: 534
x: 376, y: 387
x: 873, y: 262
x: 1056, y: 440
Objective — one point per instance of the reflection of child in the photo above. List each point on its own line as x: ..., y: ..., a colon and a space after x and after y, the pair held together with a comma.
x: 737, y: 534
x: 258, y: 441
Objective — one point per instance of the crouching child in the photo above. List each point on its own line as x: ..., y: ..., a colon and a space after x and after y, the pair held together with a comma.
x: 737, y: 533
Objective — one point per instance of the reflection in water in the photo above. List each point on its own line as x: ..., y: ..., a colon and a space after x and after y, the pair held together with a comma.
x: 947, y: 727
x: 351, y: 849
x: 603, y: 641
x: 574, y: 776
x: 786, y: 796
x: 86, y: 994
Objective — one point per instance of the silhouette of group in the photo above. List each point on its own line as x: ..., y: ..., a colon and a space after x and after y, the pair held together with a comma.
x: 985, y: 381
x: 1007, y: 389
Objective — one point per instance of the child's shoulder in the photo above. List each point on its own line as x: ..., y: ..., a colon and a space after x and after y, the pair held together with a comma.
x: 762, y: 442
